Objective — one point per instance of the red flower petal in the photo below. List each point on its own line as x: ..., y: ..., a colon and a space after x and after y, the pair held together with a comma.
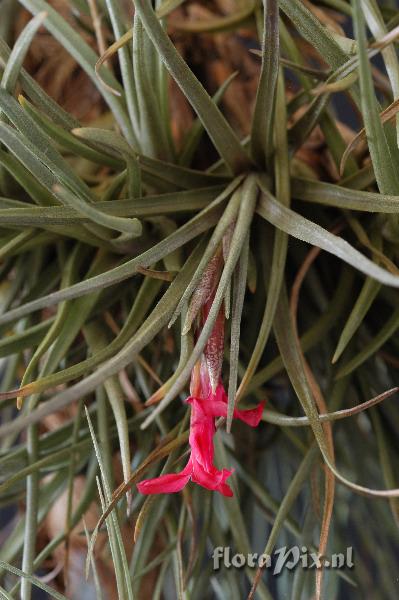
x: 201, y: 442
x: 216, y: 406
x: 225, y: 490
x: 166, y: 484
x: 212, y: 479
x: 252, y: 416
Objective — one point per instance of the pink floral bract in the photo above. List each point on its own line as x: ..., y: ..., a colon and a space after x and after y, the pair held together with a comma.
x: 208, y: 401
x: 200, y: 467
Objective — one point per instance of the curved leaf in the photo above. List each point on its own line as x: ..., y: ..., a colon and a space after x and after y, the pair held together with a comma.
x: 294, y: 224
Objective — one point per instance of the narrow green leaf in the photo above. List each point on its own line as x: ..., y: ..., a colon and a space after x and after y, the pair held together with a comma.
x: 200, y: 223
x: 329, y: 194
x: 11, y: 247
x: 304, y: 126
x: 37, y: 94
x: 218, y: 129
x: 19, y: 51
x: 37, y: 192
x: 131, y: 228
x: 148, y: 330
x: 34, y: 580
x: 69, y: 275
x: 154, y: 141
x: 382, y: 159
x: 299, y: 227
x: 285, y: 506
x: 365, y: 299
x: 118, y: 18
x: 148, y: 291
x: 178, y: 175
x: 65, y: 139
x: 186, y: 348
x: 280, y: 244
x: 24, y: 339
x: 378, y: 28
x: 193, y: 137
x: 314, y: 32
x: 98, y: 340
x: 18, y: 214
x: 294, y: 365
x: 118, y: 550
x: 40, y: 145
x: 73, y: 42
x: 239, y: 286
x: 262, y: 121
x: 369, y: 349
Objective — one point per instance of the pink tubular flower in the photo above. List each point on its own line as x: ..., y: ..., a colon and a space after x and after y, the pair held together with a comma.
x: 205, y: 407
x: 207, y: 398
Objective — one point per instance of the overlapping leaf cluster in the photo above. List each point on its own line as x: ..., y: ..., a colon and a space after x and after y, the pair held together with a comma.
x: 106, y: 229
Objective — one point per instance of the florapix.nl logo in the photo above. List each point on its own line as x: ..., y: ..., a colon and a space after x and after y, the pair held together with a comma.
x: 282, y: 558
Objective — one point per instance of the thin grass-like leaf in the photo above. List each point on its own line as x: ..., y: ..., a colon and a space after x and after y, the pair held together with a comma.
x: 130, y: 227
x: 285, y: 421
x: 239, y: 287
x: 33, y: 580
x: 385, y: 332
x: 157, y: 319
x: 118, y: 550
x: 148, y: 290
x: 279, y: 246
x: 299, y: 227
x: 97, y: 340
x: 193, y: 137
x: 179, y: 176
x: 187, y: 232
x: 262, y: 130
x: 37, y: 94
x: 328, y: 194
x: 117, y: 18
x: 289, y: 498
x: 382, y: 159
x: 366, y: 297
x: 295, y: 369
x: 216, y: 24
x: 215, y: 124
x: 154, y: 141
x: 84, y: 55
x: 313, y: 31
x: 225, y: 221
x: 377, y: 26
x: 177, y: 203
x: 24, y: 339
x: 65, y: 139
x: 17, y: 56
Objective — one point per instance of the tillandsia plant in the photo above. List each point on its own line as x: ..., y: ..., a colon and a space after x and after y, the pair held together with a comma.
x: 199, y: 195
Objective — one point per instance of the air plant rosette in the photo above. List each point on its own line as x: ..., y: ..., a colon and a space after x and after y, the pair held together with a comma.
x: 239, y: 240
